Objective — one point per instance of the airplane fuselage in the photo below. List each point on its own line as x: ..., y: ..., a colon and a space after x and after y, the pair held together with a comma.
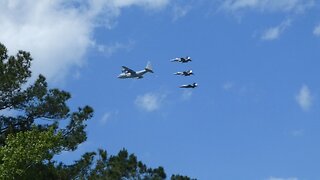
x: 194, y: 85
x: 138, y: 74
x: 181, y: 59
x: 184, y: 73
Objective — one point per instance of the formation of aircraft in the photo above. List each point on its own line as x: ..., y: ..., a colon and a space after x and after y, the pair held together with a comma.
x: 129, y: 73
x: 181, y: 59
x: 184, y: 73
x: 193, y: 85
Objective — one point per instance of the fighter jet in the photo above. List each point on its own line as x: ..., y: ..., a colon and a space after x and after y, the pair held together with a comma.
x: 181, y: 59
x: 129, y: 73
x: 184, y: 73
x: 194, y: 85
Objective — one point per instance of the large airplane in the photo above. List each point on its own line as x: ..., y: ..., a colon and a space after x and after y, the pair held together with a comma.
x: 194, y: 85
x: 129, y: 73
x: 184, y: 73
x: 181, y: 59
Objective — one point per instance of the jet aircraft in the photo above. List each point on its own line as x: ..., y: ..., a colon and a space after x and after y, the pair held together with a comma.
x: 181, y: 59
x: 194, y: 85
x: 129, y: 73
x: 184, y: 73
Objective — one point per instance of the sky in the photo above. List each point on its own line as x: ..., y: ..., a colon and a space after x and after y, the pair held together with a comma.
x: 255, y: 114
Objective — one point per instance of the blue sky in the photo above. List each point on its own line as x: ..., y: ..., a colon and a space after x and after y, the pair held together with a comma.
x: 255, y: 114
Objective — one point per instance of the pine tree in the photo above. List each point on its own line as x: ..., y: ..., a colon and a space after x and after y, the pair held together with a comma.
x: 20, y: 136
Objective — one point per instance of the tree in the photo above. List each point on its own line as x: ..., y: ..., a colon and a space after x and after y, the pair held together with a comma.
x: 36, y: 102
x: 20, y: 137
x: 180, y: 177
x: 27, y: 148
x: 99, y: 165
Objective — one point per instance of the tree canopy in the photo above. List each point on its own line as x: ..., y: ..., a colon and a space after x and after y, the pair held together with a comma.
x: 27, y: 147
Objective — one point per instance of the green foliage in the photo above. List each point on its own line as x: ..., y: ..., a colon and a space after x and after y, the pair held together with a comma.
x: 23, y: 150
x: 99, y: 165
x: 124, y: 166
x: 179, y: 177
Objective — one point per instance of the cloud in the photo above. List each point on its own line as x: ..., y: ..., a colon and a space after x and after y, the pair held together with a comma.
x: 304, y: 98
x: 186, y: 95
x: 277, y: 178
x: 105, y: 118
x: 59, y: 33
x: 150, y: 101
x: 154, y: 4
x: 316, y: 31
x: 296, y: 6
x: 108, y: 116
x: 56, y: 37
x: 180, y: 11
x: 235, y: 89
x: 298, y: 133
x: 108, y: 50
x: 227, y: 86
x: 274, y: 32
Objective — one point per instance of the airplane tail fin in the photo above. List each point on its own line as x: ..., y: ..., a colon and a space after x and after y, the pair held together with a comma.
x: 148, y: 68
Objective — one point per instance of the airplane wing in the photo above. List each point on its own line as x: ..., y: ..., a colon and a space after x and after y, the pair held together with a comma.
x: 124, y: 68
x: 189, y: 85
x: 187, y: 73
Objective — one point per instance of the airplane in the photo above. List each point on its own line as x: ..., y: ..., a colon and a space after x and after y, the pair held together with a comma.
x: 193, y: 85
x: 181, y: 59
x: 184, y: 73
x: 129, y: 73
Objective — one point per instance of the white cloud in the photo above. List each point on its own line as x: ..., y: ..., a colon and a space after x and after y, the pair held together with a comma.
x: 296, y: 6
x: 235, y: 89
x: 227, y: 86
x: 150, y: 101
x: 186, y: 95
x: 108, y: 116
x: 105, y: 118
x: 279, y: 178
x: 59, y: 33
x: 274, y: 32
x: 55, y: 38
x: 145, y: 3
x: 304, y: 98
x: 76, y: 74
x: 180, y: 11
x: 238, y: 4
x: 113, y: 48
x: 297, y: 133
x: 316, y: 31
